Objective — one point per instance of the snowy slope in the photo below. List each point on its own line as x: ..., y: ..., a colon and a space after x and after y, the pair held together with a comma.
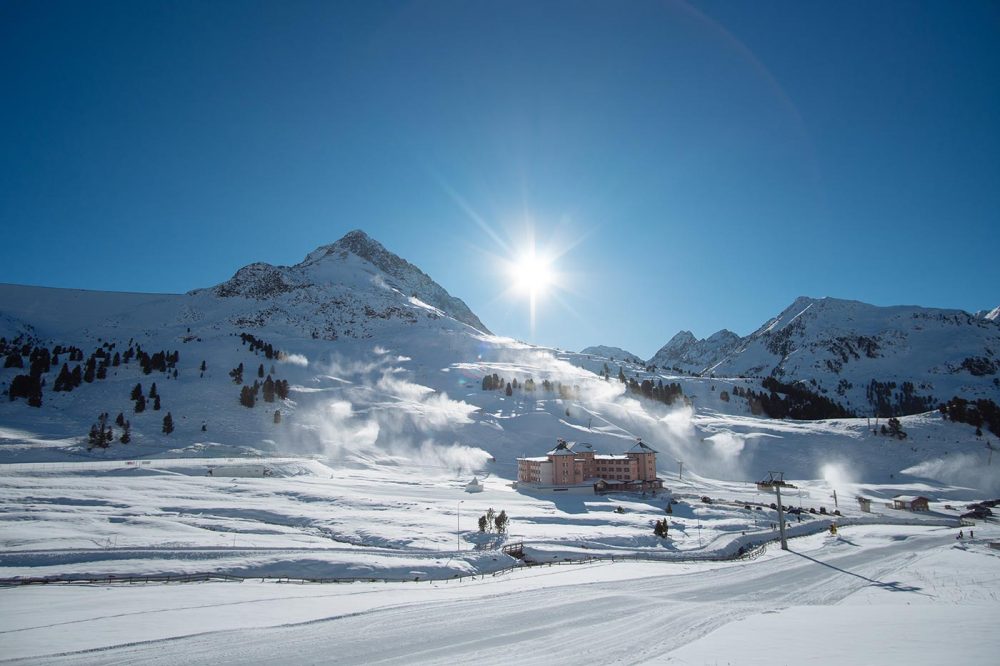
x: 876, y: 595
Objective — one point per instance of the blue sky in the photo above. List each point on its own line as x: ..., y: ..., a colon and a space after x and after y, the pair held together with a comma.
x: 693, y: 165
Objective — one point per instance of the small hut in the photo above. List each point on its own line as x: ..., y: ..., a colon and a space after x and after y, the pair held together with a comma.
x: 474, y: 486
x: 910, y: 503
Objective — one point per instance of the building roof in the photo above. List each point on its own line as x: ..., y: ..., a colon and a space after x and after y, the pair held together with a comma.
x: 536, y: 459
x: 611, y: 456
x: 909, y: 498
x: 639, y: 447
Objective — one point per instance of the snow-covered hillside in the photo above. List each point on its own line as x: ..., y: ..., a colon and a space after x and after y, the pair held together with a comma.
x: 839, y: 348
x: 383, y: 365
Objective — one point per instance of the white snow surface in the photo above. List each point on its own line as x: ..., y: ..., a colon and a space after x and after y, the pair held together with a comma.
x: 873, y: 595
x: 364, y: 479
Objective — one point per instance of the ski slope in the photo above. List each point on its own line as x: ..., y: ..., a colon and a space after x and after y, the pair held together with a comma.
x: 829, y: 599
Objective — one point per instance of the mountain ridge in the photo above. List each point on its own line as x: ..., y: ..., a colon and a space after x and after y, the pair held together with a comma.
x: 842, y: 346
x: 329, y: 266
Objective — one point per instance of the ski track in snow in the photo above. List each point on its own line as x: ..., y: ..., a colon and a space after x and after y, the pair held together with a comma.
x: 622, y: 621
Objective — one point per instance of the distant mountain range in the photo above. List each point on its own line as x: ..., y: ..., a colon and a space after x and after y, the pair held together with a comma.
x: 860, y: 355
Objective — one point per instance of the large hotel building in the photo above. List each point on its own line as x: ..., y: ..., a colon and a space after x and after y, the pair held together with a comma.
x: 578, y: 466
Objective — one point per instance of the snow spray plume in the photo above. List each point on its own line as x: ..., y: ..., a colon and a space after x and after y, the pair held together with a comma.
x: 378, y: 414
x: 964, y: 469
x: 294, y: 359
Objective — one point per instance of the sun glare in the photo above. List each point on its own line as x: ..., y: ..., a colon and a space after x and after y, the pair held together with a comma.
x: 532, y: 274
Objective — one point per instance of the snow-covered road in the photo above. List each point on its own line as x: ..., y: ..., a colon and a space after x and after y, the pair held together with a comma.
x: 621, y: 612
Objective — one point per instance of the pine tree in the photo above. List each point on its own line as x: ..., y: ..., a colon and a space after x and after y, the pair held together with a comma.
x: 152, y: 390
x: 267, y: 390
x: 156, y: 403
x: 501, y: 522
x: 260, y: 371
x: 120, y: 420
x: 126, y: 436
x: 248, y: 397
x: 140, y: 404
x: 277, y: 416
x: 508, y: 390
x: 168, y: 424
x: 136, y: 392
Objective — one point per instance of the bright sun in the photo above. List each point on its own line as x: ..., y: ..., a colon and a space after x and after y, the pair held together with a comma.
x: 532, y: 273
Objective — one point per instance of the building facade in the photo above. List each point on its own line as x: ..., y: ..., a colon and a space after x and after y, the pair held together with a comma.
x: 571, y: 464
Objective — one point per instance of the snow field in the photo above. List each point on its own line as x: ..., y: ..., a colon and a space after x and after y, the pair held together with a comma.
x: 850, y: 598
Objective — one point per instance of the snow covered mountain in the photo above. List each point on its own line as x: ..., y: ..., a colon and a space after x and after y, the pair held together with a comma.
x: 686, y: 353
x: 337, y: 288
x: 612, y: 353
x: 866, y: 357
x: 323, y: 328
x: 992, y: 315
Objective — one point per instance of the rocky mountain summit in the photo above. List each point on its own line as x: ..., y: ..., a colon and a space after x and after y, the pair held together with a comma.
x: 337, y: 288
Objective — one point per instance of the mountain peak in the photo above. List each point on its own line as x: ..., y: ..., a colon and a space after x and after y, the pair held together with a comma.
x: 355, y: 242
x: 355, y: 262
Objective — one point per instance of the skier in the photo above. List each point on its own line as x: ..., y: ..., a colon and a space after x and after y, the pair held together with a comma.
x: 960, y: 535
x: 972, y: 534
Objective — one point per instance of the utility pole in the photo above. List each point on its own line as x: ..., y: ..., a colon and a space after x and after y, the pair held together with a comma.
x: 680, y: 470
x: 835, y: 505
x: 781, y: 518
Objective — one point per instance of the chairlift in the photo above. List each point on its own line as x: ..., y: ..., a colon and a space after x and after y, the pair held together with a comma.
x: 773, y: 480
